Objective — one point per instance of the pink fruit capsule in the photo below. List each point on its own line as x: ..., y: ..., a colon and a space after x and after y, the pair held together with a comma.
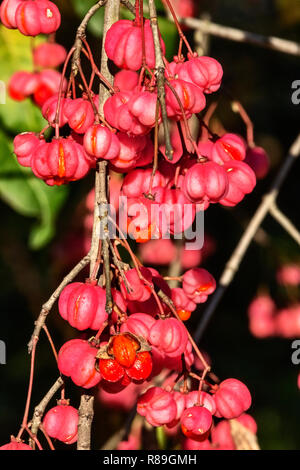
x: 100, y: 142
x: 61, y: 423
x: 124, y: 45
x: 76, y: 359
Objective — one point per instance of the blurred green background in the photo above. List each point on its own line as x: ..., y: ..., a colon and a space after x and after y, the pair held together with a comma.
x: 41, y: 228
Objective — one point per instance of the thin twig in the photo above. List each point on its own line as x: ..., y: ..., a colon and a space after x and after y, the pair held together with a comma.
x: 283, y: 220
x: 46, y: 308
x: 39, y: 410
x: 238, y: 254
x: 128, y: 5
x: 81, y: 34
x: 234, y: 34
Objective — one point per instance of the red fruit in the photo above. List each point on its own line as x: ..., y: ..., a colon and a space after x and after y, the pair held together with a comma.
x: 80, y: 115
x: 49, y: 55
x: 142, y: 105
x: 181, y: 300
x: 221, y: 436
x: 76, y: 359
x: 126, y: 80
x: 249, y: 422
x: 140, y: 223
x: 261, y: 312
x: 172, y: 210
x: 158, y: 406
x: 185, y: 8
x: 123, y: 44
x: 196, y: 422
x: 160, y: 252
x: 263, y: 327
x: 123, y: 399
x: 170, y: 336
x: 191, y: 258
x: 241, y: 181
x: 117, y: 113
x: 22, y: 84
x: 59, y: 162
x: 288, y: 275
x: 138, y: 289
x: 232, y: 398
x: 287, y: 322
x: 61, y: 423
x: 184, y: 315
x: 261, y: 305
x: 49, y: 16
x: 15, y: 445
x: 201, y: 399
x: 8, y: 10
x: 49, y: 110
x: 258, y: 159
x: 100, y: 142
x: 132, y: 443
x: 221, y: 433
x: 139, y: 324
x: 190, y: 96
x: 27, y: 18
x: 205, y: 72
x: 24, y: 146
x: 205, y: 148
x: 49, y: 84
x: 228, y: 147
x: 180, y: 405
x: 33, y: 18
x: 111, y: 370
x: 124, y: 349
x: 83, y: 305
x: 190, y: 444
x: 142, y: 367
x: 137, y: 182
x: 130, y: 150
x: 198, y: 284
x: 205, y: 183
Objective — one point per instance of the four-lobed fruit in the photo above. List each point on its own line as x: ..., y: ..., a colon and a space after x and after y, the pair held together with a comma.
x: 76, y: 359
x: 83, y: 305
x: 232, y: 398
x: 61, y: 422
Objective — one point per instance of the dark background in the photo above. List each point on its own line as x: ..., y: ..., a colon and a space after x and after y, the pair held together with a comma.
x: 261, y: 80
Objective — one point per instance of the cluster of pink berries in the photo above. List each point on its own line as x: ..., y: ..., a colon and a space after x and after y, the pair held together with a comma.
x: 44, y: 83
x: 265, y: 319
x: 30, y: 17
x: 211, y: 172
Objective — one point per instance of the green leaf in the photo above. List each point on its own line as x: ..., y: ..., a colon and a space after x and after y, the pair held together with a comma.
x: 50, y: 200
x: 15, y: 55
x: 28, y: 195
x: 169, y: 33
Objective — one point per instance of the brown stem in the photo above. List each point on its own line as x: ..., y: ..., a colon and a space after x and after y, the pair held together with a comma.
x: 39, y: 410
x: 46, y: 308
x: 86, y: 415
x: 81, y: 34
